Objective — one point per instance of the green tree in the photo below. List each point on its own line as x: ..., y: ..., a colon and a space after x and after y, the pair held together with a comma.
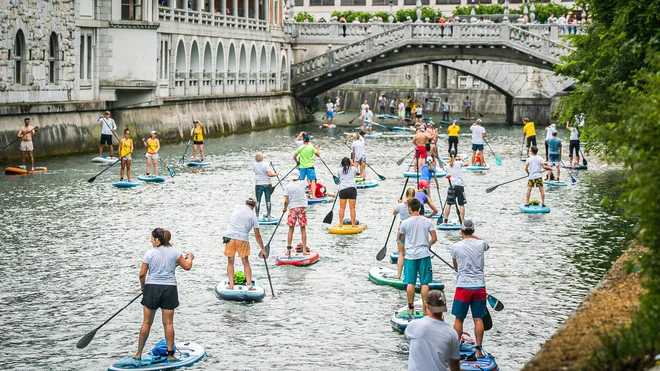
x: 543, y: 11
x: 301, y: 16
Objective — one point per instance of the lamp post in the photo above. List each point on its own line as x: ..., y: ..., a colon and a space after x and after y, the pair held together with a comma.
x: 419, y: 11
x: 505, y: 19
x: 391, y: 17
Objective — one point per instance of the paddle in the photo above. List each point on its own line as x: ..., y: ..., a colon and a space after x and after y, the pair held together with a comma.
x: 584, y: 160
x: 382, y: 126
x: 498, y: 160
x: 334, y: 177
x: 355, y: 118
x: 523, y: 146
x: 569, y: 172
x: 172, y: 173
x: 284, y: 177
x: 92, y: 179
x: 328, y: 218
x: 399, y: 162
x: 489, y: 190
x: 369, y: 166
x: 383, y: 251
x: 90, y: 335
x: 278, y: 177
x: 17, y: 139
x: 480, y: 115
x: 270, y: 282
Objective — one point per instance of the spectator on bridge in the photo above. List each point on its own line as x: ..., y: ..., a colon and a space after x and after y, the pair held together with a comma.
x: 571, y: 24
x: 321, y: 20
x: 356, y: 21
x: 552, y: 19
x: 342, y: 19
x: 442, y: 20
x: 562, y: 25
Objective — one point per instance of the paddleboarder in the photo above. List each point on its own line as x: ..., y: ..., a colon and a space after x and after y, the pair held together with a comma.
x: 392, y: 106
x: 159, y: 287
x: 427, y: 172
x: 478, y: 135
x: 125, y: 153
x: 446, y: 108
x: 434, y: 345
x: 424, y: 199
x: 468, y: 260
x: 548, y: 135
x: 359, y: 152
x: 198, y: 141
x: 458, y: 194
x: 26, y: 133
x: 367, y: 118
x: 534, y: 166
x: 419, y: 113
x: 347, y: 190
x: 108, y: 127
x: 337, y: 103
x: 409, y: 105
x: 153, y: 146
x: 554, y: 149
x: 419, y: 234
x: 330, y: 113
x: 364, y: 107
x: 262, y: 184
x: 401, y: 114
x: 295, y: 200
x: 236, y: 240
x: 574, y: 144
x: 382, y: 101
x: 306, y: 164
x: 401, y: 209
x: 529, y: 133
x: 452, y: 135
x: 467, y: 103
x: 420, y: 140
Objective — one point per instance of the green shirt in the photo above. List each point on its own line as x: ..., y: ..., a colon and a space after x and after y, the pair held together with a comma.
x: 306, y: 153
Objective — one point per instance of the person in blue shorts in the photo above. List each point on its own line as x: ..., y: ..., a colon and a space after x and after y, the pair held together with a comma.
x: 419, y: 234
x: 306, y: 163
x: 468, y: 258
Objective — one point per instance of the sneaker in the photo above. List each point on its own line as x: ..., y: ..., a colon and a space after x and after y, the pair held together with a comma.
x: 543, y: 205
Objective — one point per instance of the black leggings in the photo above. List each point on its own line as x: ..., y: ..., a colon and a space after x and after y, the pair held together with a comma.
x: 574, y: 145
x: 454, y: 141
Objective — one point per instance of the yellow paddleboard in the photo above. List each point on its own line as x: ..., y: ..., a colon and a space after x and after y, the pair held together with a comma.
x: 347, y: 229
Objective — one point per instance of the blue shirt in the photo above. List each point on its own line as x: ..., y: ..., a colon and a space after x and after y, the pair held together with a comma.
x: 554, y: 145
x: 423, y: 198
x: 425, y: 173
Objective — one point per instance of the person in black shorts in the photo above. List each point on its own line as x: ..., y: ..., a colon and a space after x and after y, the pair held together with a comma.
x: 347, y: 189
x: 158, y: 282
x: 108, y: 127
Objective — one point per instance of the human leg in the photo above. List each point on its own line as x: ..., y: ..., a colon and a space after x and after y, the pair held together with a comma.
x: 155, y: 163
x: 147, y: 320
x: 168, y: 327
x: 458, y: 326
x: 268, y: 191
x: 303, y: 236
x: 22, y: 157
x: 121, y: 170
x: 342, y: 210
x: 402, y: 252
x: 529, y: 192
x: 289, y: 239
x: 230, y: 272
x: 128, y: 169
x: 542, y: 195
x: 31, y: 159
x: 258, y: 191
x: 112, y: 150
x: 148, y: 165
x: 201, y: 151
x: 195, y: 150
x: 248, y: 272
x: 351, y: 204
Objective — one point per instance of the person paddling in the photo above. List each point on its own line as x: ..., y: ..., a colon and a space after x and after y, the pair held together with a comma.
x: 359, y: 153
x: 402, y: 210
x: 330, y: 113
x: 434, y: 345
x: 529, y: 132
x: 306, y: 163
x: 125, y: 153
x: 478, y: 135
x: 534, y: 166
x: 468, y: 260
x: 367, y: 119
x: 262, y: 184
x: 241, y: 222
x: 424, y: 199
x: 26, y: 133
x: 108, y: 127
x: 153, y: 146
x: 574, y: 144
x: 159, y: 287
x: 198, y: 141
x: 427, y: 172
x: 452, y: 136
x: 400, y: 113
x: 446, y: 108
x: 347, y: 190
x: 419, y: 234
x: 467, y: 103
x: 295, y: 200
x: 548, y: 135
x: 420, y: 140
x: 554, y: 154
x: 458, y: 193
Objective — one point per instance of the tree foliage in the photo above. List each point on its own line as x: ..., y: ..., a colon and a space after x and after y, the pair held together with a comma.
x: 399, y: 16
x: 301, y: 16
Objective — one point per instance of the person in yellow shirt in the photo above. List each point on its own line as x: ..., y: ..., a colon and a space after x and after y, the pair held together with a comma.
x: 198, y: 141
x: 125, y: 151
x: 153, y: 146
x: 529, y: 133
x: 452, y: 132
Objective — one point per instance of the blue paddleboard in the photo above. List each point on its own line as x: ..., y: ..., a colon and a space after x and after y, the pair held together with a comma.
x: 151, y: 179
x: 321, y: 200
x: 367, y: 184
x: 187, y: 354
x: 269, y: 221
x: 450, y: 226
x: 534, y: 209
x: 555, y: 183
x: 125, y: 184
x: 197, y: 163
x: 240, y: 292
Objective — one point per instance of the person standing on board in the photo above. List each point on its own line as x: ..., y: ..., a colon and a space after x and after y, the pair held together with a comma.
x: 554, y: 148
x: 236, y: 240
x: 548, y: 135
x: 419, y: 140
x: 434, y: 345
x: 416, y: 230
x: 478, y: 135
x: 574, y: 144
x: 330, y: 113
x: 347, y: 190
x: 467, y: 103
x: 159, y: 288
x: 458, y: 193
x: 198, y: 141
x: 409, y: 105
x: 295, y: 200
x: 468, y: 257
x: 402, y: 210
x: 263, y: 186
x: 108, y: 127
x: 424, y: 199
x: 359, y: 148
x: 153, y: 146
x: 446, y: 108
x: 367, y: 118
x: 452, y: 135
x: 26, y: 133
x: 392, y: 106
x: 382, y: 101
x: 529, y: 133
x: 125, y: 153
x: 401, y: 114
x: 337, y: 103
x: 426, y: 173
x: 364, y: 107
x: 306, y: 164
x: 427, y: 107
x: 419, y: 113
x: 534, y: 166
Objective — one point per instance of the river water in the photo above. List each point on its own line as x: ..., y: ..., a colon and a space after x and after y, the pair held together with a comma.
x: 71, y: 252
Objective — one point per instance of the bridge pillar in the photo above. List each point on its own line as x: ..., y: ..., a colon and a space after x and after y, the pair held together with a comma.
x: 425, y: 77
x: 433, y: 76
x: 537, y: 109
x: 442, y: 83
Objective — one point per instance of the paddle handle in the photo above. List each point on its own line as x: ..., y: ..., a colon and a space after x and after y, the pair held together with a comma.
x: 284, y: 177
x: 458, y: 211
x: 270, y: 282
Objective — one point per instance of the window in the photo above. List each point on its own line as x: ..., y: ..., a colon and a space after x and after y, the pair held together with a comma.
x: 163, y: 66
x: 53, y: 59
x: 414, y: 2
x: 86, y: 54
x: 299, y: 3
x: 131, y: 10
x: 354, y: 2
x: 381, y: 2
x: 462, y: 82
x: 19, y: 58
x: 475, y: 83
x: 322, y: 2
x: 442, y: 2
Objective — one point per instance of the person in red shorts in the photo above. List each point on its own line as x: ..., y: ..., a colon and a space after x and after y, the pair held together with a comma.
x: 321, y: 191
x: 420, y: 140
x: 468, y: 259
x: 295, y: 200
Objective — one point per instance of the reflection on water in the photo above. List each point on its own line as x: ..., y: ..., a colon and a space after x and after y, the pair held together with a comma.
x: 71, y: 253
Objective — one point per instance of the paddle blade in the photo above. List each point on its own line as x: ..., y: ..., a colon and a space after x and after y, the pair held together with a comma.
x: 381, y: 177
x: 399, y: 162
x: 381, y: 254
x: 496, y: 304
x: 488, y: 190
x: 498, y: 161
x: 181, y: 161
x: 172, y: 173
x: 584, y: 161
x: 91, y: 180
x: 267, y: 248
x: 573, y: 180
x: 328, y: 218
x: 488, y: 321
x: 82, y: 343
x: 335, y: 179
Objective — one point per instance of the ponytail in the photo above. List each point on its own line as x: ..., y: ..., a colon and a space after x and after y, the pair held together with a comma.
x: 166, y: 238
x: 346, y: 164
x: 452, y: 159
x: 410, y: 193
x: 159, y: 234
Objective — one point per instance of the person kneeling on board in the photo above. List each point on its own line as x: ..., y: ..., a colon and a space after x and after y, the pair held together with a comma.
x: 295, y: 200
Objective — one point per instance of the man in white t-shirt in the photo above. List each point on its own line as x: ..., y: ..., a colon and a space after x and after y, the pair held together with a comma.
x: 295, y: 200
x: 236, y: 240
x: 548, y: 135
x: 468, y: 260
x: 478, y: 135
x: 359, y: 146
x: 434, y: 345
x: 534, y: 167
x: 367, y: 118
x: 330, y: 113
x: 401, y: 112
x: 446, y: 107
x: 108, y: 127
x: 364, y: 107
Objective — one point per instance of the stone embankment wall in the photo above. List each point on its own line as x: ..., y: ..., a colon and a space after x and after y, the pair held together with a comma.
x: 73, y: 127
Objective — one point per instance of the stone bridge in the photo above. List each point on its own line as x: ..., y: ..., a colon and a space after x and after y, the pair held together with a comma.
x: 376, y: 47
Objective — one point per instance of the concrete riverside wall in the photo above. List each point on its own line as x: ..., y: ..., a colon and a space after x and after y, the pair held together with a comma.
x: 69, y: 128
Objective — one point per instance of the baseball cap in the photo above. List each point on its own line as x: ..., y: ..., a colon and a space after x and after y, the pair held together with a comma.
x: 467, y: 225
x: 107, y: 112
x: 154, y: 132
x: 295, y: 174
x: 436, y: 301
x: 306, y: 138
x: 479, y: 120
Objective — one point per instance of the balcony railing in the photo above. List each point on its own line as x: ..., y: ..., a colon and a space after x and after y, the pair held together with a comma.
x: 217, y: 19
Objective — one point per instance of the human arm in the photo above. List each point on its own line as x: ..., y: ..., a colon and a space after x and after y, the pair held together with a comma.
x: 349, y: 136
x: 568, y: 124
x: 434, y: 210
x: 260, y: 241
x: 434, y: 237
x: 286, y: 203
x: 186, y: 262
x: 143, y: 274
x: 317, y: 152
x: 295, y: 157
x: 454, y: 263
x: 527, y: 168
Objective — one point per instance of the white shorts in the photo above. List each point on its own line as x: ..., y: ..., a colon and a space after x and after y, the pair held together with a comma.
x: 361, y: 157
x: 26, y: 145
x: 154, y: 156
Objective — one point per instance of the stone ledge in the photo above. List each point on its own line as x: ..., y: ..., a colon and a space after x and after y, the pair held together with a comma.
x: 50, y: 107
x: 135, y: 24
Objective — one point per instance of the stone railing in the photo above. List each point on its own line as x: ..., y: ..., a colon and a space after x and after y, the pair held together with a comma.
x: 539, y: 43
x: 167, y: 14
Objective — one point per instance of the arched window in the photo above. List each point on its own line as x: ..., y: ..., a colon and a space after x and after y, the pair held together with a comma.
x: 19, y: 58
x: 53, y: 59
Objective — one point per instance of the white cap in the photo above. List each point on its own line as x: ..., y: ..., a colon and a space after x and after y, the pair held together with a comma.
x: 295, y: 174
x: 154, y: 132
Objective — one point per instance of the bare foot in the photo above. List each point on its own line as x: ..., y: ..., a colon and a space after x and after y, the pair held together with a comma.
x: 306, y: 253
x: 172, y: 358
x: 251, y: 288
x: 397, y: 277
x: 353, y: 226
x: 479, y: 354
x: 230, y: 287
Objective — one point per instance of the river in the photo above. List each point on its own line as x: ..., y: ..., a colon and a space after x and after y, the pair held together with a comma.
x: 71, y: 253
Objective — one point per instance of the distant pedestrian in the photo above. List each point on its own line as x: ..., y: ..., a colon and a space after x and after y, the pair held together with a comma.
x: 446, y: 109
x: 26, y: 133
x: 467, y: 104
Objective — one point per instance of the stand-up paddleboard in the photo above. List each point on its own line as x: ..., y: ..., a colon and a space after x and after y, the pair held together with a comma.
x: 554, y: 183
x: 347, y: 229
x: 367, y: 184
x: 402, y: 128
x: 449, y: 226
x: 321, y: 200
x: 327, y: 126
x: 187, y: 354
x: 469, y: 360
x: 105, y: 160
x: 576, y: 167
x: 240, y: 292
x: 427, y: 118
x: 385, y: 276
x: 477, y: 168
x: 534, y: 209
x: 373, y: 135
x: 402, y: 318
x: 151, y: 179
x: 443, y: 122
x: 523, y: 159
x: 269, y: 221
x: 125, y: 184
x: 339, y: 113
x: 413, y: 174
x: 21, y: 170
x: 197, y: 163
x: 297, y: 258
